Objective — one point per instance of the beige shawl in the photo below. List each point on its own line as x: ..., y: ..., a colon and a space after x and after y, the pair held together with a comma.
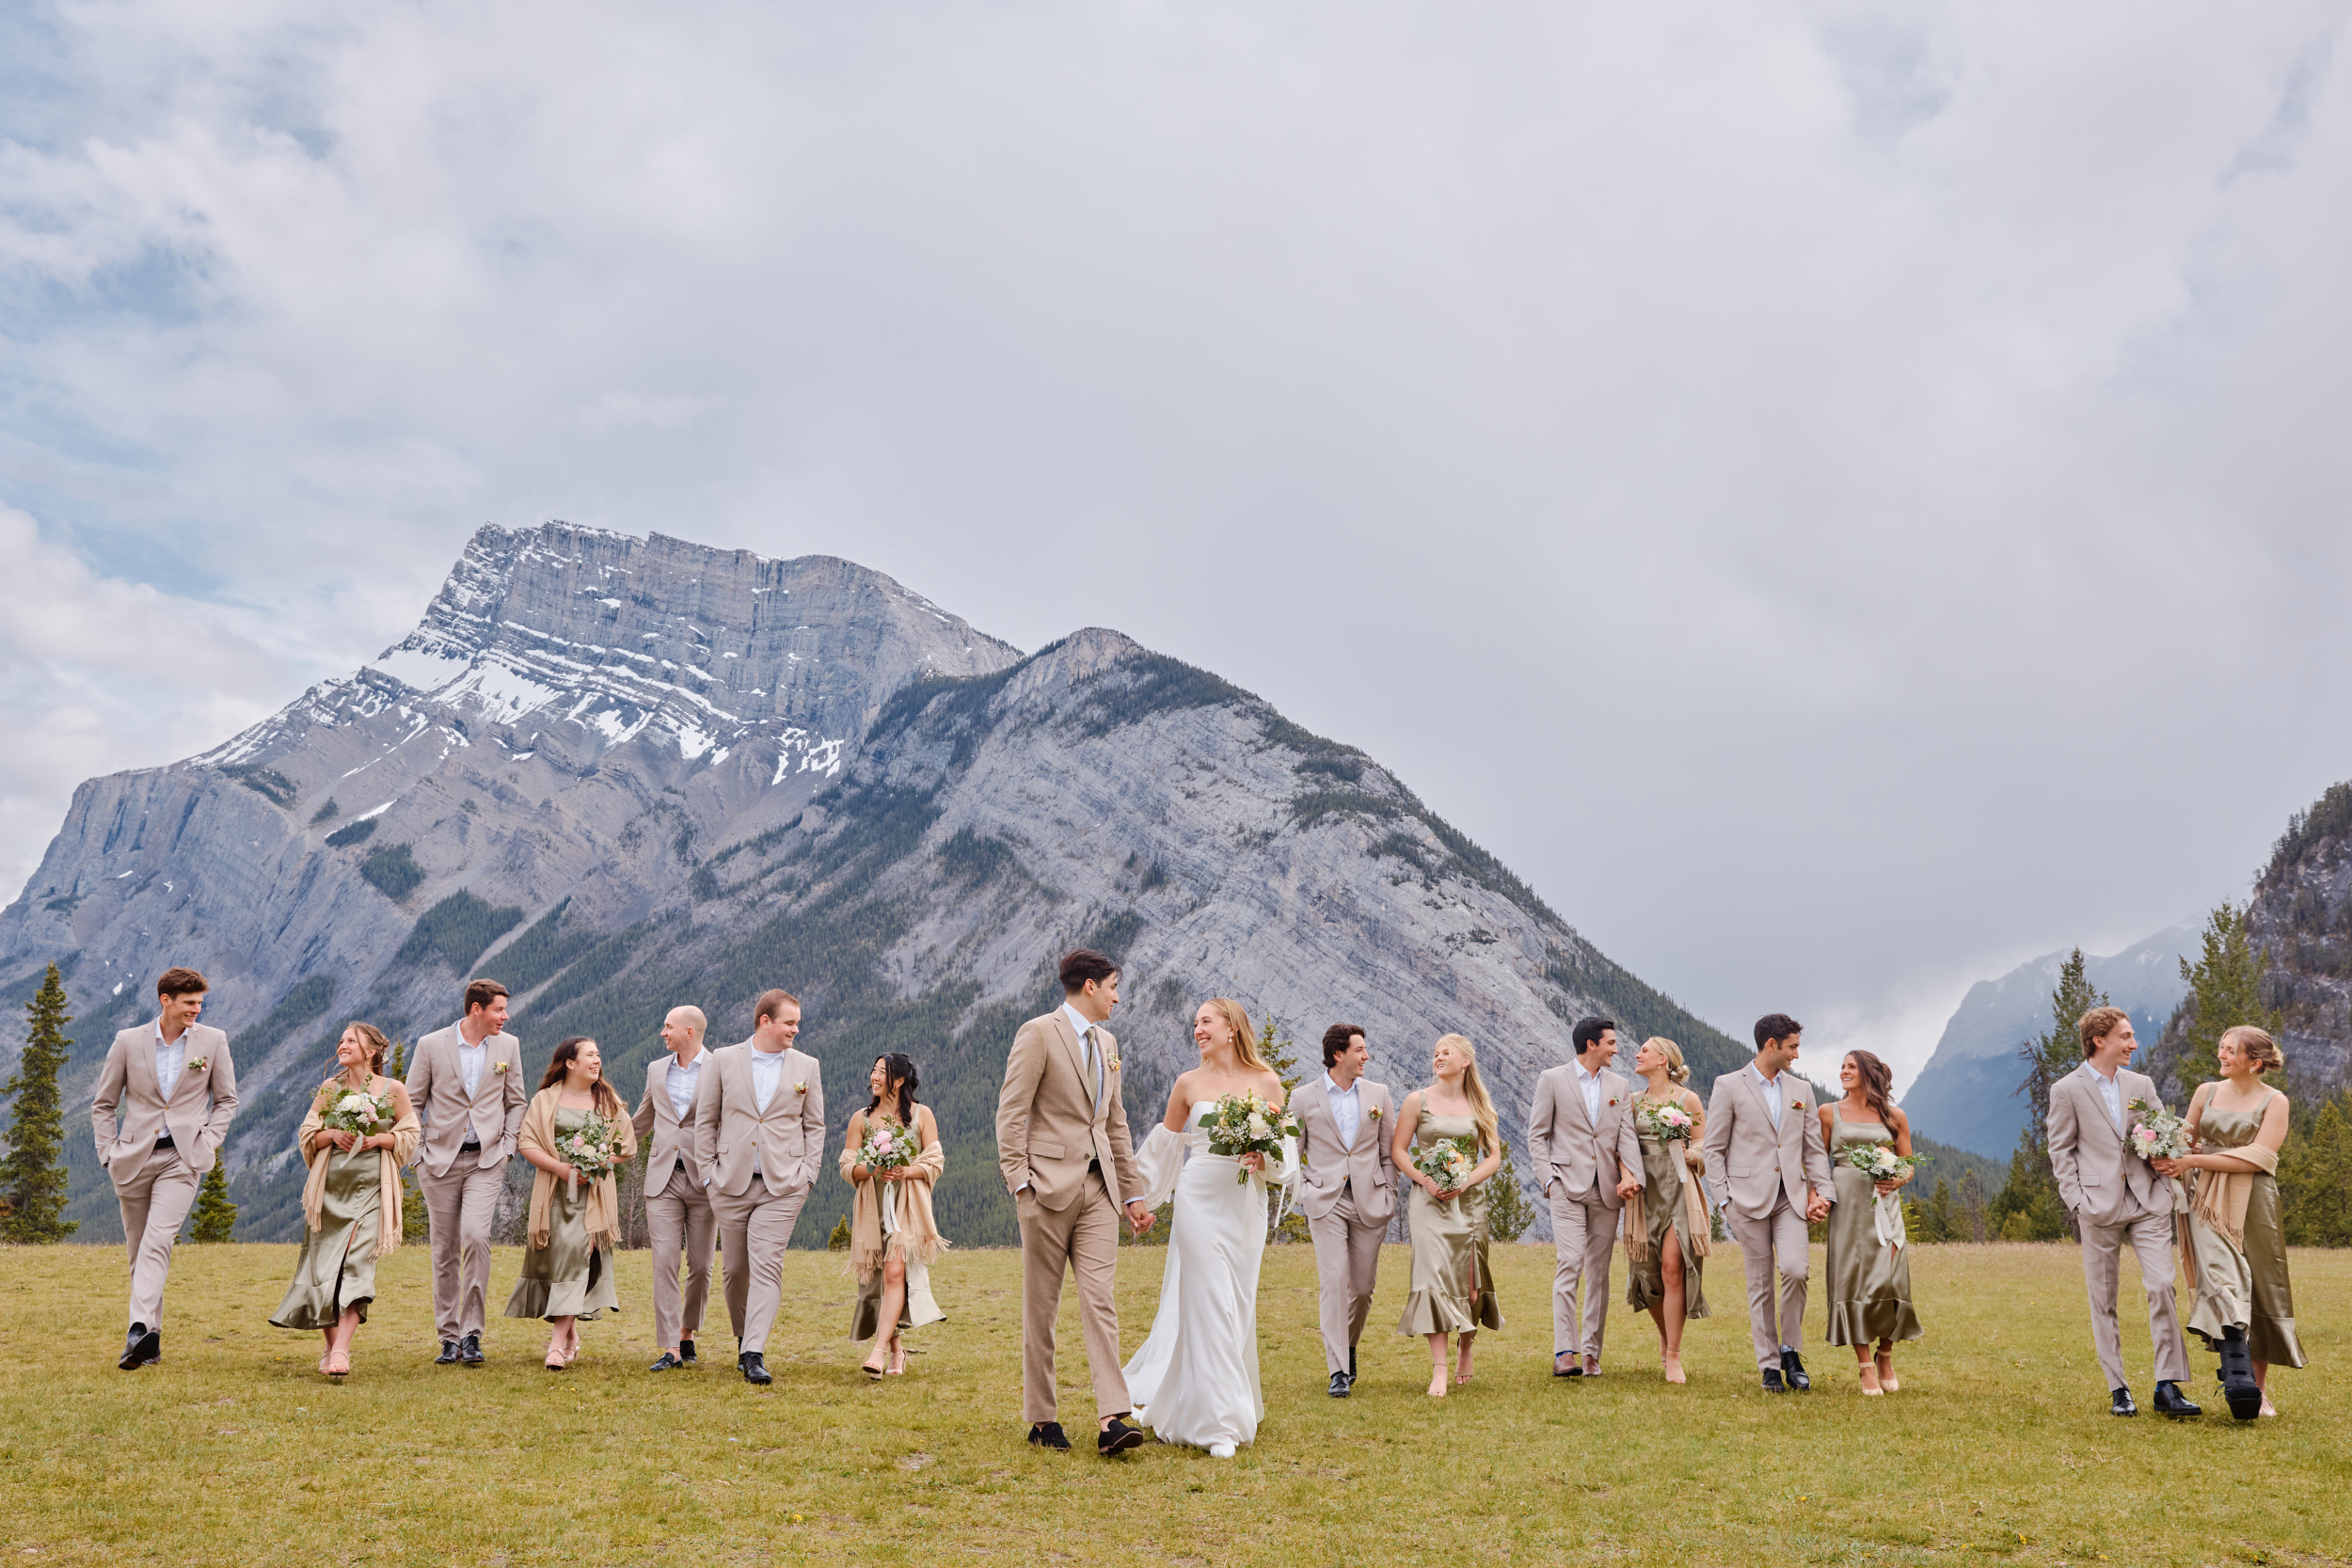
x: 917, y: 1230
x: 405, y: 1132
x: 2221, y: 1195
x: 604, y: 1199
x: 1693, y: 1203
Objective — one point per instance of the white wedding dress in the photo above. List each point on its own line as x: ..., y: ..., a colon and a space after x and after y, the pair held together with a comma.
x: 1195, y: 1380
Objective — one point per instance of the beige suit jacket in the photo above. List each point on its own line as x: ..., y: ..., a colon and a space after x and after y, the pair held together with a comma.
x: 1570, y: 1149
x: 195, y: 1111
x: 731, y: 1132
x: 436, y: 1089
x: 1048, y: 1127
x: 665, y: 1139
x: 1749, y: 1167
x: 1365, y: 1162
x: 2098, y: 1176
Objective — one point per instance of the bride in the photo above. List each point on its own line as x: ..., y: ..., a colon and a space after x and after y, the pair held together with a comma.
x: 1195, y: 1381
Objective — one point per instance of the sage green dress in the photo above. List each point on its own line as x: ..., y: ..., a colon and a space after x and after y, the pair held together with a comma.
x: 2248, y: 1289
x: 1663, y: 1178
x: 1869, y: 1282
x: 1453, y: 1290
x: 337, y: 1269
x: 567, y: 1277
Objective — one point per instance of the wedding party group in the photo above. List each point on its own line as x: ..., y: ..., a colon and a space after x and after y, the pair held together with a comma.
x: 734, y: 1136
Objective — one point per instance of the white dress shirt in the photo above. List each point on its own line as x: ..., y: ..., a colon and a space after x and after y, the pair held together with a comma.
x: 1347, y: 1108
x: 2111, y: 1091
x: 767, y: 1072
x: 1771, y: 1092
x: 1589, y: 1083
x: 471, y: 1059
x: 1096, y: 1077
x: 171, y: 1060
x: 680, y: 1084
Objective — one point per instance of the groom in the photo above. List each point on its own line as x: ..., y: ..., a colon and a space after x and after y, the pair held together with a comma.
x: 1347, y: 1193
x: 1061, y: 1139
x: 1587, y: 1153
x: 1768, y: 1169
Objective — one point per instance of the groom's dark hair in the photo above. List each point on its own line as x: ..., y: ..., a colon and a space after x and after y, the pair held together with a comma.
x: 1335, y: 1041
x: 1588, y: 1030
x: 1083, y: 964
x: 1775, y: 1026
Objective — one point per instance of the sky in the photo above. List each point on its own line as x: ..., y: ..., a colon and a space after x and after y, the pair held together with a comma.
x: 1843, y: 497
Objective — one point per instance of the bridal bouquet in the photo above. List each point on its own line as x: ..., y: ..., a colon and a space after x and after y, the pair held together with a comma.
x: 355, y: 1110
x: 593, y: 1149
x: 1880, y: 1162
x: 1245, y: 1124
x: 1448, y: 1162
x: 2158, y: 1134
x: 886, y: 1146
x: 1665, y: 1122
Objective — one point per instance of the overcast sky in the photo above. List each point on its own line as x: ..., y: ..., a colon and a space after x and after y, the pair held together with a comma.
x: 1842, y: 497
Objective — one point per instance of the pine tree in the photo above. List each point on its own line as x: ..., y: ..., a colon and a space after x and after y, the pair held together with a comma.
x: 2224, y: 991
x: 1931, y: 1221
x: 214, y: 1216
x: 414, y: 1226
x: 1276, y: 1048
x: 839, y: 1240
x: 2315, y: 1179
x: 1508, y: 1212
x: 1971, y: 1208
x: 32, y: 1175
x: 2028, y: 1208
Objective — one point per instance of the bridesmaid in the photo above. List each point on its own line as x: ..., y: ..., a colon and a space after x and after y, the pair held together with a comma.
x: 1869, y: 1280
x: 1453, y: 1287
x: 1663, y: 1280
x: 893, y: 1237
x: 2245, y: 1305
x: 350, y: 1203
x: 575, y: 1220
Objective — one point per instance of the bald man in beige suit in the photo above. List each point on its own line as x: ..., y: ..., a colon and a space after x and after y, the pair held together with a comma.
x: 467, y: 1084
x: 176, y: 1090
x: 679, y: 1223
x: 1063, y: 1142
x: 1768, y: 1169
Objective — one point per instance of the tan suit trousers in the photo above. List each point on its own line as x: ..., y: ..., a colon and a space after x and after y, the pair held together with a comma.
x: 1347, y: 1262
x: 682, y: 1227
x: 1778, y: 1239
x: 1583, y: 1240
x: 1083, y: 1238
x: 2151, y: 1237
x: 155, y: 1202
x: 459, y: 1208
x: 754, y: 1229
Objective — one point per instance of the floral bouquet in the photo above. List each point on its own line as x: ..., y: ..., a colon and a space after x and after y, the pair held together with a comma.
x: 1245, y: 1124
x: 1448, y: 1162
x: 1880, y: 1162
x: 1665, y: 1122
x: 2158, y: 1134
x: 355, y: 1110
x: 591, y: 1148
x: 886, y: 1146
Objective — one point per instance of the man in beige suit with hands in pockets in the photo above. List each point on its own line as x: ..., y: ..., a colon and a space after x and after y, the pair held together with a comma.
x: 176, y: 1091
x: 1768, y: 1170
x: 1063, y: 1142
x: 467, y: 1084
x: 759, y: 1136
x: 1347, y: 1191
x: 678, y: 1219
x: 1587, y: 1153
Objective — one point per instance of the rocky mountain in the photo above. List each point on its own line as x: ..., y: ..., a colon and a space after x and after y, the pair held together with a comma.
x: 1966, y: 1094
x: 619, y: 774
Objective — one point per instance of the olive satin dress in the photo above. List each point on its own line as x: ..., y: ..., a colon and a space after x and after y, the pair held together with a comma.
x: 2248, y: 1289
x: 1869, y: 1282
x: 1665, y: 1174
x: 337, y: 1269
x: 567, y: 1277
x: 1453, y: 1291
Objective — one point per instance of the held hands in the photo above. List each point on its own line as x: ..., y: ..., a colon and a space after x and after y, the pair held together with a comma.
x: 1815, y: 1208
x: 1628, y: 1188
x: 1138, y: 1217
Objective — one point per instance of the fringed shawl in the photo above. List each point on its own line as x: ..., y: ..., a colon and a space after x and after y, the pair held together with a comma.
x: 405, y: 1132
x: 1700, y: 1227
x: 604, y: 1201
x: 916, y: 1227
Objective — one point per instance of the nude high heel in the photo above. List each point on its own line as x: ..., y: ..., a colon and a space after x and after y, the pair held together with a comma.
x: 1886, y: 1360
x: 1869, y: 1375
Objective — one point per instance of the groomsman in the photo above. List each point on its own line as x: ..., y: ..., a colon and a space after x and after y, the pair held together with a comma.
x: 467, y: 1084
x: 176, y: 1091
x: 759, y: 1134
x: 2116, y: 1198
x: 1347, y: 1191
x: 1581, y: 1137
x: 1768, y: 1167
x: 677, y: 1204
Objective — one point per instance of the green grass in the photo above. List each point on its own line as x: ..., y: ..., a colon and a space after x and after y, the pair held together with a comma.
x: 1998, y: 1447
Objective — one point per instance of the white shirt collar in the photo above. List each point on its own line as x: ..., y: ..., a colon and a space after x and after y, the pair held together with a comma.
x: 2110, y: 1079
x: 1333, y: 1084
x: 1592, y: 1077
x: 1079, y: 1023
x: 1772, y: 1082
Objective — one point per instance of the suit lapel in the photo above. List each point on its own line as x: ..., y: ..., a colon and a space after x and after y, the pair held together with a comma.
x: 140, y: 1068
x: 1075, y: 1048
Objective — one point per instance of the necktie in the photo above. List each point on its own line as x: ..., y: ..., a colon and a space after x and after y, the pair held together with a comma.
x: 1094, y: 1069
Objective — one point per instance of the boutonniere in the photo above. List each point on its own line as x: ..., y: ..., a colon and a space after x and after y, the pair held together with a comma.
x: 1613, y: 1100
x: 1374, y: 1113
x: 499, y: 1068
x: 1795, y: 1105
x: 1114, y: 1063
x: 801, y: 1087
x: 197, y: 1064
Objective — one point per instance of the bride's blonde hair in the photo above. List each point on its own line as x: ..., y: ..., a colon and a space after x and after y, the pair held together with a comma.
x: 1482, y: 1108
x: 1245, y: 1038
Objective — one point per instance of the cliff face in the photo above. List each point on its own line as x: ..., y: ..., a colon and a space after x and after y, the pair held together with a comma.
x: 622, y: 774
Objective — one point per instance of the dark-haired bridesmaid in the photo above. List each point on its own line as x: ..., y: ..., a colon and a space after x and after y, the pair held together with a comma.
x: 893, y: 1237
x: 575, y: 1204
x: 1869, y: 1266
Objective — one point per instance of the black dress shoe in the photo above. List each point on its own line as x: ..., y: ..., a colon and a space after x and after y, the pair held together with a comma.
x: 1772, y: 1384
x: 755, y: 1366
x: 1792, y: 1367
x: 135, y: 1348
x: 469, y: 1349
x: 1048, y: 1435
x: 1119, y: 1437
x: 2120, y: 1403
x: 449, y: 1354
x: 667, y: 1363
x: 685, y: 1351
x: 1339, y: 1386
x: 2170, y: 1400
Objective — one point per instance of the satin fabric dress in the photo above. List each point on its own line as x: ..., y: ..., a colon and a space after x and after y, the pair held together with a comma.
x: 1869, y: 1281
x: 567, y: 1277
x: 1453, y: 1288
x: 2245, y: 1288
x: 337, y: 1269
x: 1665, y: 1174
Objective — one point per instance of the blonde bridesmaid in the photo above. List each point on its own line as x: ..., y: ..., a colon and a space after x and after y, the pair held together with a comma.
x: 1667, y: 1228
x: 1453, y: 1288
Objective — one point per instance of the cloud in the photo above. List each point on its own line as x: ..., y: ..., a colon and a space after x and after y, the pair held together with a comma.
x: 1840, y: 496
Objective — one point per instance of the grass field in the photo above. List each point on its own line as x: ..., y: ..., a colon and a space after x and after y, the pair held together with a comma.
x: 235, y: 1450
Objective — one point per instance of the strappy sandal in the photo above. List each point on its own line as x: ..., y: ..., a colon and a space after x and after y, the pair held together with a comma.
x: 1869, y: 1375
x: 897, y: 1359
x: 327, y: 1366
x: 1886, y: 1360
